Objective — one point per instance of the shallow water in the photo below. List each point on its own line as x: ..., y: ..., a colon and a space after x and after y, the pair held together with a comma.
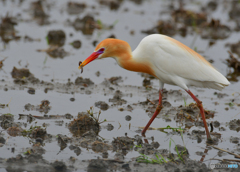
x: 136, y: 18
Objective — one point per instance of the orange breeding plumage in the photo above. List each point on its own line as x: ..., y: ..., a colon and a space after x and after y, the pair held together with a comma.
x: 168, y: 60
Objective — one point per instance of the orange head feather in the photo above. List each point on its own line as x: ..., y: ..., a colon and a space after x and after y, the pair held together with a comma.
x: 109, y: 47
x: 114, y: 48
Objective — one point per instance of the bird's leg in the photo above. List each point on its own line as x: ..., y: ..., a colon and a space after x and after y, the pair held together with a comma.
x: 158, y: 109
x: 200, y: 106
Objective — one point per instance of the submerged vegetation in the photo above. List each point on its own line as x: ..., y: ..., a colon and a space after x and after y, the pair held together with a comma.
x: 159, y: 158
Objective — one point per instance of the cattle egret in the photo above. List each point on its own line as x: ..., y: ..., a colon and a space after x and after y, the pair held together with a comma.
x: 168, y: 60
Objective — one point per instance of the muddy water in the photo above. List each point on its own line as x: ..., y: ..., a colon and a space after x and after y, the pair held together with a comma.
x: 129, y: 20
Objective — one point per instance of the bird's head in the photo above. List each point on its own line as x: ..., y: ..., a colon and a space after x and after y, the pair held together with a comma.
x: 109, y: 47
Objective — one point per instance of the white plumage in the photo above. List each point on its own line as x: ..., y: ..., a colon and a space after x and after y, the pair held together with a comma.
x: 168, y: 60
x: 176, y: 64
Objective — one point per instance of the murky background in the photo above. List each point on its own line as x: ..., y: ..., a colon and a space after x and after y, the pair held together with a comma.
x: 24, y: 44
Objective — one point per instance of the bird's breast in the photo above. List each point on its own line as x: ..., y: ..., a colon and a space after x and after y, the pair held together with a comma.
x: 144, y: 67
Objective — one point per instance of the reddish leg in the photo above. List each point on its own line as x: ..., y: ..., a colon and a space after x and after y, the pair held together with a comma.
x: 158, y: 109
x: 199, y: 104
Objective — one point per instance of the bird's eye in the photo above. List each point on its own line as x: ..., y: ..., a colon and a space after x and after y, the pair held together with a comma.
x: 101, y: 49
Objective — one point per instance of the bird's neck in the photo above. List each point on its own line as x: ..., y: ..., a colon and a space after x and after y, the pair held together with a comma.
x: 128, y: 62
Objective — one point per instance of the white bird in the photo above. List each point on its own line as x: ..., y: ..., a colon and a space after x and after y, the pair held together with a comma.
x: 168, y: 60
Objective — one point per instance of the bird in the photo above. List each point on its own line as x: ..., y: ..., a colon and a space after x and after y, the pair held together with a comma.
x: 167, y: 59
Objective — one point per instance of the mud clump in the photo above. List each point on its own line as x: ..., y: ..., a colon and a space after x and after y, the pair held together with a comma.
x: 38, y: 132
x: 15, y: 131
x: 31, y: 91
x: 2, y: 140
x: 30, y: 39
x: 115, y: 80
x: 98, y: 146
x: 43, y: 107
x: 20, y: 73
x: 189, y: 18
x: 59, y: 166
x: 110, y: 127
x: 33, y: 162
x: 234, y: 12
x: 117, y: 98
x: 234, y: 63
x: 181, y: 149
x: 35, y: 149
x: 220, y: 95
x: 7, y: 30
x: 146, y: 82
x: 214, y: 30
x: 87, y: 25
x: 38, y: 13
x: 166, y: 28
x: 211, y: 6
x: 83, y: 82
x: 76, y: 44
x: 163, y: 27
x: 34, y: 158
x: 56, y: 37
x: 155, y: 145
x: 112, y: 4
x: 62, y: 141
x: 75, y: 8
x: 234, y: 125
x: 121, y: 143
x: 102, y: 105
x: 98, y: 164
x: 128, y: 118
x: 68, y: 116
x: 13, y: 160
x: 235, y: 48
x: 23, y: 76
x: 7, y: 116
x: 7, y: 121
x: 191, y: 112
x: 112, y: 36
x: 152, y: 108
x: 29, y: 107
x: 105, y: 155
x: 35, y: 132
x: 147, y: 149
x: 216, y: 124
x: 234, y: 140
x: 56, y: 52
x: 76, y: 149
x: 83, y: 123
x: 38, y: 9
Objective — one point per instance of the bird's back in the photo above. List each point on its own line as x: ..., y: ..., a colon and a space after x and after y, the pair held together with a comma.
x: 176, y: 64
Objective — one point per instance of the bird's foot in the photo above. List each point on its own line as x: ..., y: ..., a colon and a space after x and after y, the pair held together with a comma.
x: 211, y: 141
x: 143, y: 134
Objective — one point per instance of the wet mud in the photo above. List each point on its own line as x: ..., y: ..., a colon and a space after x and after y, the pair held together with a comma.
x: 53, y: 117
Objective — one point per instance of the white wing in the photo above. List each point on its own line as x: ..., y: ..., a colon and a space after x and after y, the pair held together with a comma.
x: 176, y: 64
